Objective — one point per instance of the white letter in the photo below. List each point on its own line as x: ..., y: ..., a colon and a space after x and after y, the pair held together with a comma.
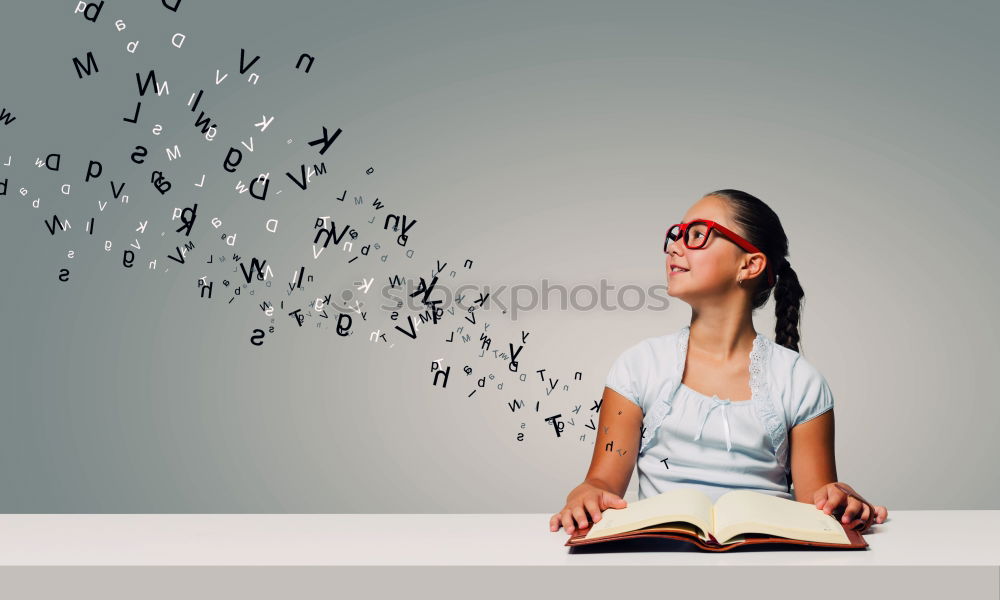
x: 263, y: 124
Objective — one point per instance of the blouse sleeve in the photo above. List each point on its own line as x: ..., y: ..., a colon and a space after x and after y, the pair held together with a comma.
x: 623, y: 376
x: 811, y: 395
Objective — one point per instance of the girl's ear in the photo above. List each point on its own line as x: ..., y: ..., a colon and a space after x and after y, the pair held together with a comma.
x: 757, y: 263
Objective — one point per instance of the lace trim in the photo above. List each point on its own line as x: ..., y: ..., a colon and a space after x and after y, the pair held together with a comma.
x: 683, y: 345
x: 764, y: 401
x: 661, y: 406
x: 664, y: 401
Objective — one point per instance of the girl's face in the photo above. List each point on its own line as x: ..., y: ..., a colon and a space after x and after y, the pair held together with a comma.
x: 712, y: 270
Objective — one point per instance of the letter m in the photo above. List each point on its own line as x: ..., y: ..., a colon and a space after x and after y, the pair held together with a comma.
x: 86, y: 69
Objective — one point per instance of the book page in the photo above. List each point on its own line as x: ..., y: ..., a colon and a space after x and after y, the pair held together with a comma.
x: 676, y: 527
x: 745, y: 511
x: 680, y: 504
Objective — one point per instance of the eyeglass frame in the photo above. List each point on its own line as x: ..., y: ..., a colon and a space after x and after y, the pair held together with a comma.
x: 725, y: 231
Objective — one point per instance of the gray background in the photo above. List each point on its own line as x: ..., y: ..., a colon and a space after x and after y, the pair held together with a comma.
x: 550, y: 140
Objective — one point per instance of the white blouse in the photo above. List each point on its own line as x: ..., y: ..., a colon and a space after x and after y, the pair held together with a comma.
x: 713, y: 444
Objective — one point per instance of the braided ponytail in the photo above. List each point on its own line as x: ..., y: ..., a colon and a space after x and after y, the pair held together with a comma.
x: 762, y: 228
x: 787, y: 306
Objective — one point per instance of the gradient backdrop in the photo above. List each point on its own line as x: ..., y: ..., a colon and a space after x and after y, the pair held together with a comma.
x: 545, y: 141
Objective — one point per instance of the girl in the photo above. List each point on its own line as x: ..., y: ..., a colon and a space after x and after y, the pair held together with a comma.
x: 717, y: 406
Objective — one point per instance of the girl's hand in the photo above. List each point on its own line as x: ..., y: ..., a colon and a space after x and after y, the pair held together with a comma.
x: 585, y: 497
x: 857, y: 512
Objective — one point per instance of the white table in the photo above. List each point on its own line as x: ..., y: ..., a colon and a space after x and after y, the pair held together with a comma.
x: 914, y: 554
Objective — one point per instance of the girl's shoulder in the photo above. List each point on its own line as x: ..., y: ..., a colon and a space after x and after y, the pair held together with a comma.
x: 790, y: 366
x: 802, y: 389
x: 663, y: 351
x: 643, y: 370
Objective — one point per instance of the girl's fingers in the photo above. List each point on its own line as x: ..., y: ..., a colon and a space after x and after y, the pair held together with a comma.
x: 819, y: 498
x: 835, y: 499
x: 853, y: 511
x: 594, y: 508
x: 567, y: 520
x: 556, y: 521
x: 864, y: 519
x: 871, y: 515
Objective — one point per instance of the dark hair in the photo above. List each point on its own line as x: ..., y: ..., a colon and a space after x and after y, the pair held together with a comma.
x: 762, y: 228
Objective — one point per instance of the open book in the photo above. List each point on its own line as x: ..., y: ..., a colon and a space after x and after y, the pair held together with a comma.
x: 738, y: 517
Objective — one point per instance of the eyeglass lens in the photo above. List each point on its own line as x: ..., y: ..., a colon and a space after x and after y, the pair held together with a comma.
x: 694, y: 237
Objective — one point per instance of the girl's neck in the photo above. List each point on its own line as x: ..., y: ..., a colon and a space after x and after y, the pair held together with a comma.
x: 721, y: 338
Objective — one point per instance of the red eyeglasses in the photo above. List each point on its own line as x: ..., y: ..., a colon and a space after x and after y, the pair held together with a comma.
x: 695, y: 235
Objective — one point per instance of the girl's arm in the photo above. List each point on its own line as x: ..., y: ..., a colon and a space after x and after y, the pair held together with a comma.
x: 814, y: 475
x: 615, y: 450
x: 617, y: 445
x: 813, y: 463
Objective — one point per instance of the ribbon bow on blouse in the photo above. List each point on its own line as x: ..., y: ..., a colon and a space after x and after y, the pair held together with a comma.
x: 725, y: 420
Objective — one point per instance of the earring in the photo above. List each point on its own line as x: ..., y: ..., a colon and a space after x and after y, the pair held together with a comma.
x: 739, y: 281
